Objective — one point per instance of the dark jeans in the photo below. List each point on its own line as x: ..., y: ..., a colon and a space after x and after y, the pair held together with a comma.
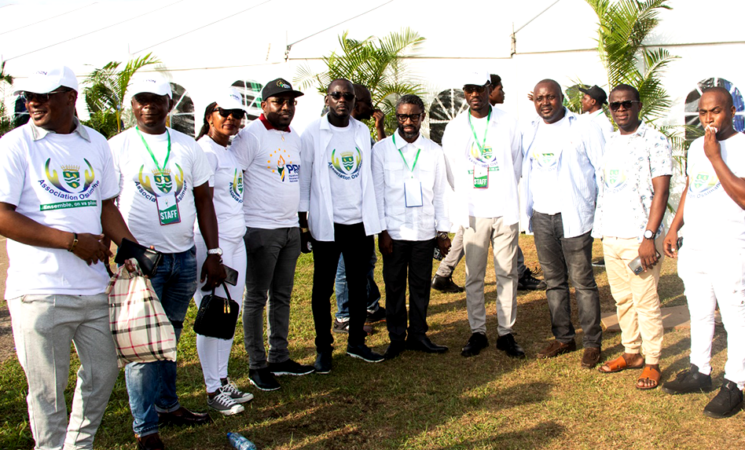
x: 559, y: 257
x: 416, y: 258
x: 351, y: 242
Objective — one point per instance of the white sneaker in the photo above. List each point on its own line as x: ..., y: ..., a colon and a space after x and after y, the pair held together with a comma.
x: 225, y: 405
x: 236, y: 394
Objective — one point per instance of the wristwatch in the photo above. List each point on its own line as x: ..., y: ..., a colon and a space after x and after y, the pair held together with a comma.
x: 215, y: 251
x: 648, y: 234
x: 304, y: 230
x: 442, y: 235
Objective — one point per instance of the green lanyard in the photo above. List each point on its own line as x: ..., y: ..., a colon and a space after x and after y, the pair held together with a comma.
x: 476, y: 139
x: 168, y: 154
x: 402, y: 156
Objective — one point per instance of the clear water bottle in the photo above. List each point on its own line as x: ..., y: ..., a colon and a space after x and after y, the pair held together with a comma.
x: 240, y: 443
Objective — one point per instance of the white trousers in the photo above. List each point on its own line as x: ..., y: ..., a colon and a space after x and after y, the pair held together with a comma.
x: 711, y: 277
x: 214, y: 353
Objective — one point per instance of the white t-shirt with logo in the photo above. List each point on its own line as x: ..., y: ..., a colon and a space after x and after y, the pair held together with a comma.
x: 141, y: 182
x: 544, y: 157
x: 271, y: 159
x: 228, y: 189
x: 59, y: 181
x: 712, y: 220
x: 482, y: 201
x: 345, y: 165
x: 617, y: 221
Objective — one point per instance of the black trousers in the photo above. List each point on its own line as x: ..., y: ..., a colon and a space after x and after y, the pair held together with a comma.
x: 414, y: 257
x: 351, y: 242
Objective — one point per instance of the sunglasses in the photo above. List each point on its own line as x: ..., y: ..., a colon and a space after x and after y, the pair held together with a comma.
x: 404, y: 117
x: 626, y: 104
x: 236, y: 113
x: 470, y: 89
x: 279, y: 103
x: 42, y: 98
x: 348, y: 96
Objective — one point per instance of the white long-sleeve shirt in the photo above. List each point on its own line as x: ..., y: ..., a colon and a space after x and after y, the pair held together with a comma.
x: 389, y: 174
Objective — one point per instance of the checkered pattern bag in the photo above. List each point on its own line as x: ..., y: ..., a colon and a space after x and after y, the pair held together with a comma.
x: 139, y: 325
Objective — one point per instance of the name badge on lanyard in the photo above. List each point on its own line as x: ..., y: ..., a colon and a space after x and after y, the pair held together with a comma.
x: 167, y: 205
x: 480, y: 177
x: 412, y: 186
x: 481, y: 173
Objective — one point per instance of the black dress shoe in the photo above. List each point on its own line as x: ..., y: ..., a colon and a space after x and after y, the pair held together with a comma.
x: 508, y: 345
x: 183, y: 417
x: 530, y: 283
x: 394, y: 349
x: 475, y: 343
x: 446, y: 285
x: 323, y: 362
x: 423, y: 344
x: 150, y: 442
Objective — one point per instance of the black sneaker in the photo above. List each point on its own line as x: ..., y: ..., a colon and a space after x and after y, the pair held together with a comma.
x: 341, y: 326
x: 446, y: 285
x: 598, y: 262
x: 290, y: 367
x: 377, y: 316
x: 475, y: 344
x: 726, y: 403
x: 364, y: 353
x: 508, y: 345
x: 263, y: 379
x: 689, y: 381
x: 530, y: 283
x: 323, y: 362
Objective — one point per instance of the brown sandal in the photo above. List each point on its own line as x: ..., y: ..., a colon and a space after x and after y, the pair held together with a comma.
x: 618, y: 365
x: 649, y: 373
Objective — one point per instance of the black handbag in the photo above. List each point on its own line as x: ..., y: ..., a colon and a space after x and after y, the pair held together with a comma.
x: 147, y: 258
x: 217, y: 316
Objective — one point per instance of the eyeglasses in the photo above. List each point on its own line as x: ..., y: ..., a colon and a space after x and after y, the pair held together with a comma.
x: 471, y: 88
x: 236, y: 113
x: 280, y: 103
x: 626, y: 104
x: 542, y: 98
x: 413, y: 117
x: 42, y: 98
x: 348, y: 96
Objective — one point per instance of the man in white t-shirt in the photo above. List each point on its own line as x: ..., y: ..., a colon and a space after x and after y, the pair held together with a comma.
x: 270, y: 152
x: 410, y: 187
x: 163, y: 178
x: 632, y: 196
x: 561, y: 166
x: 339, y: 210
x: 57, y: 190
x: 482, y: 147
x: 592, y: 108
x: 712, y: 259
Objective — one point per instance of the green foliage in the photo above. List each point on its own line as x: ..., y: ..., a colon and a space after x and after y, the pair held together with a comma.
x: 374, y: 62
x: 105, y: 91
x: 6, y: 122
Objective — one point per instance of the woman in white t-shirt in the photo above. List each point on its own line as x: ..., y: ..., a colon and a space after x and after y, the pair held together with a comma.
x: 222, y: 119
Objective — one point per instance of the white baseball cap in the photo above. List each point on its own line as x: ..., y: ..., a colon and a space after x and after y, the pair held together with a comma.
x: 151, y: 83
x: 47, y: 80
x: 477, y: 78
x: 230, y: 99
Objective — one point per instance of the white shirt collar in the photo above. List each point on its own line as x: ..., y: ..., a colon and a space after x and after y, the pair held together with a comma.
x: 38, y: 133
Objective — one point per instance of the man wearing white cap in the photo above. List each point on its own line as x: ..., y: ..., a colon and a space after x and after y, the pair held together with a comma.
x: 57, y: 190
x: 163, y: 177
x: 270, y: 152
x: 482, y: 147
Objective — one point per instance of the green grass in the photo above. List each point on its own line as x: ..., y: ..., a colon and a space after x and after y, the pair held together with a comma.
x: 420, y: 401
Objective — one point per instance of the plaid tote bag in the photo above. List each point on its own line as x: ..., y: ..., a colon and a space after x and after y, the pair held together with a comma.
x: 139, y: 325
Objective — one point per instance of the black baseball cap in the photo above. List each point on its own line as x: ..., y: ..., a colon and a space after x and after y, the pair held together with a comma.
x: 596, y: 93
x: 278, y: 86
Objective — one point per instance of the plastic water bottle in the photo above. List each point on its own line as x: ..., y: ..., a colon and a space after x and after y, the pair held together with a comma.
x: 240, y: 443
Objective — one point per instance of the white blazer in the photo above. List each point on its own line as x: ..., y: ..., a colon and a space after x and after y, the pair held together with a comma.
x: 315, y: 187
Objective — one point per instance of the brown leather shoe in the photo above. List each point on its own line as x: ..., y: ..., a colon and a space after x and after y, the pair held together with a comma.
x: 183, y: 417
x: 150, y: 442
x: 591, y: 357
x: 556, y: 348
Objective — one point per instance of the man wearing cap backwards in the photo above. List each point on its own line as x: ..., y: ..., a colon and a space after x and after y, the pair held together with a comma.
x: 560, y: 168
x: 482, y: 146
x: 339, y: 210
x: 163, y: 176
x: 711, y: 259
x: 270, y: 152
x: 57, y: 192
x: 592, y: 107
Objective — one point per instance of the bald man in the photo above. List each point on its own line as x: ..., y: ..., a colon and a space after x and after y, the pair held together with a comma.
x: 712, y: 260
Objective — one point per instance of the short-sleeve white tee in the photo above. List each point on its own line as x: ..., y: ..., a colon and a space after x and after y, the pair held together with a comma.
x: 544, y: 157
x: 141, y: 182
x: 619, y: 191
x: 345, y: 168
x: 59, y: 181
x: 712, y: 220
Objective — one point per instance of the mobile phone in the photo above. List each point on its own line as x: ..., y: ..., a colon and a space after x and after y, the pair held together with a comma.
x: 636, y: 265
x: 232, y: 275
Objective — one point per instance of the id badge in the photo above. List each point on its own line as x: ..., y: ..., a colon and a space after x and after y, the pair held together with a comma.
x: 480, y: 177
x: 413, y: 193
x: 168, y: 212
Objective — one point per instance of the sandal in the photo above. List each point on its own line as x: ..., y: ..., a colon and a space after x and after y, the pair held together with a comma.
x: 651, y: 373
x: 618, y: 365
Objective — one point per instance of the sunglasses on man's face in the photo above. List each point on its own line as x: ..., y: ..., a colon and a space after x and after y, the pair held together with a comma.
x: 236, y: 113
x: 42, y: 98
x: 404, y: 117
x: 471, y: 88
x: 348, y: 96
x: 626, y: 104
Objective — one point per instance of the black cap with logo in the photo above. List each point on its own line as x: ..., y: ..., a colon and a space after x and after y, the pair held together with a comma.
x: 597, y: 93
x: 277, y: 87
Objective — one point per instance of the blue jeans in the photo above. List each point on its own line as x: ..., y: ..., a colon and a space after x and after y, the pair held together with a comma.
x: 152, y: 386
x: 342, y: 293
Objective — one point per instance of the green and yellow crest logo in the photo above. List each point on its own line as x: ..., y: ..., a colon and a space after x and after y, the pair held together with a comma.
x: 346, y: 164
x: 71, y: 177
x: 163, y: 180
x: 703, y: 184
